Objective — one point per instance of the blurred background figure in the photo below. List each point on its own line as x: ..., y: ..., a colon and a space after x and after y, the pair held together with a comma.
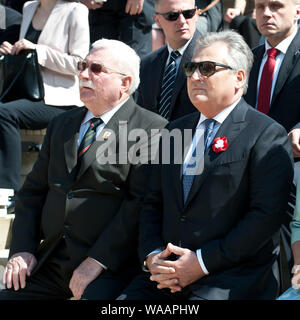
x: 10, y: 21
x: 242, y: 18
x: 129, y: 21
x: 43, y: 28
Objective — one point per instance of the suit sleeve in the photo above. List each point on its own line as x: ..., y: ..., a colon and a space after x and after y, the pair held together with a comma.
x: 270, y: 176
x: 26, y: 235
x: 118, y: 242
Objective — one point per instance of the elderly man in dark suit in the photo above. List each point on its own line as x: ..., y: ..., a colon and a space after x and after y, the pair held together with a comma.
x: 210, y: 226
x: 163, y: 82
x: 76, y: 221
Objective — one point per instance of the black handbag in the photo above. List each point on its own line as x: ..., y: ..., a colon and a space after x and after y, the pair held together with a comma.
x: 21, y: 77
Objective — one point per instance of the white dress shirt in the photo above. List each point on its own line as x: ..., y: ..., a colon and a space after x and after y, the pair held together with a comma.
x: 282, y: 47
x: 180, y: 50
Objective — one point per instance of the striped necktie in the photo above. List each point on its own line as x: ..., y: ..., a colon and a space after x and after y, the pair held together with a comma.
x: 89, y: 137
x: 187, y: 179
x: 168, y: 86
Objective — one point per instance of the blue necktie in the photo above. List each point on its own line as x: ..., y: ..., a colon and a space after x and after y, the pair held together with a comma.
x: 187, y: 180
x: 89, y: 137
x: 168, y: 86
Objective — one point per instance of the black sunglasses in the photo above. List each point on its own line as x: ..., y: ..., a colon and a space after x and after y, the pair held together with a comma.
x: 206, y: 68
x: 96, y: 68
x: 173, y: 16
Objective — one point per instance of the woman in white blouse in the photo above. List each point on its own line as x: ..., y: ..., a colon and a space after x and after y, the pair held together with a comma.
x: 59, y: 32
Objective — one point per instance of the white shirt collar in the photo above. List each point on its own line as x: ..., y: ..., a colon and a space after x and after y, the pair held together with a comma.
x: 105, y: 117
x: 180, y: 50
x: 221, y: 116
x: 284, y: 44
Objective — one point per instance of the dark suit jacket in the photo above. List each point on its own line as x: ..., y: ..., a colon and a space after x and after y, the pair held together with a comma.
x: 233, y: 211
x: 94, y: 209
x: 151, y: 74
x: 286, y: 97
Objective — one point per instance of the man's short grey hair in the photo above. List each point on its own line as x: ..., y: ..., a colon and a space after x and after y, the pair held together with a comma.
x: 128, y: 62
x: 240, y: 55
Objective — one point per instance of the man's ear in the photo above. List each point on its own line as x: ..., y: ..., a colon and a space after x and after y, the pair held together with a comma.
x: 126, y: 84
x: 240, y: 77
x: 156, y: 18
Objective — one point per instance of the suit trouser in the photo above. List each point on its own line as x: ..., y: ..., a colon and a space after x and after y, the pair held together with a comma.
x: 142, y: 288
x: 15, y: 115
x: 51, y: 282
x: 123, y: 27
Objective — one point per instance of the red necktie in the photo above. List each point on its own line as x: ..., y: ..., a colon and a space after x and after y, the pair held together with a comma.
x: 265, y: 86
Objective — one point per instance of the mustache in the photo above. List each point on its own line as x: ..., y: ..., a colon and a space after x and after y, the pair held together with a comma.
x: 86, y: 84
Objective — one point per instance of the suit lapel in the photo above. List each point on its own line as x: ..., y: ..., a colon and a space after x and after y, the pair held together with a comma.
x: 252, y: 89
x: 181, y: 78
x: 231, y: 128
x: 71, y: 132
x: 288, y: 63
x: 157, y: 73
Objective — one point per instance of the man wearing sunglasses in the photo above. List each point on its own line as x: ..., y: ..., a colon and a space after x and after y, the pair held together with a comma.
x: 82, y: 199
x: 274, y: 79
x: 163, y: 82
x: 277, y: 94
x: 210, y: 227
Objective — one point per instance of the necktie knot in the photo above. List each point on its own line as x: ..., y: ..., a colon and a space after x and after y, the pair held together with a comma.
x: 95, y: 122
x: 174, y: 55
x: 89, y: 136
x: 272, y: 53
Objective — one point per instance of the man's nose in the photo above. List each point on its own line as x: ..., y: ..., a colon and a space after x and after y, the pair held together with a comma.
x: 181, y: 18
x: 197, y: 75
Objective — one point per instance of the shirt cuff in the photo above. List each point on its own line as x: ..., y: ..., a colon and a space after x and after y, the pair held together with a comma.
x: 199, y: 256
x: 102, y: 265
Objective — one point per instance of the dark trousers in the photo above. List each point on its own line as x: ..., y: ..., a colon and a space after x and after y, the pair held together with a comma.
x: 121, y: 26
x: 51, y: 281
x: 16, y: 115
x: 142, y: 288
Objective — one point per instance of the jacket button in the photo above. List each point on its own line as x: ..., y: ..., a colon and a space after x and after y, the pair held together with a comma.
x: 70, y: 195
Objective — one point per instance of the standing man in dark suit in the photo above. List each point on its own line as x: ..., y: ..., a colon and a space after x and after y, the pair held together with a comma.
x: 129, y: 21
x: 210, y: 227
x: 169, y: 97
x: 279, y: 98
x: 83, y: 196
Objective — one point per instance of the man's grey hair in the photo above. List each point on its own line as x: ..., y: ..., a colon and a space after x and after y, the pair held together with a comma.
x: 239, y: 56
x: 127, y: 60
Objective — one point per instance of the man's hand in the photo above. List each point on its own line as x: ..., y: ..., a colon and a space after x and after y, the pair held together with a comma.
x: 231, y: 13
x: 134, y: 7
x: 294, y: 136
x: 18, y: 267
x: 187, y: 269
x: 91, y: 4
x: 83, y: 275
